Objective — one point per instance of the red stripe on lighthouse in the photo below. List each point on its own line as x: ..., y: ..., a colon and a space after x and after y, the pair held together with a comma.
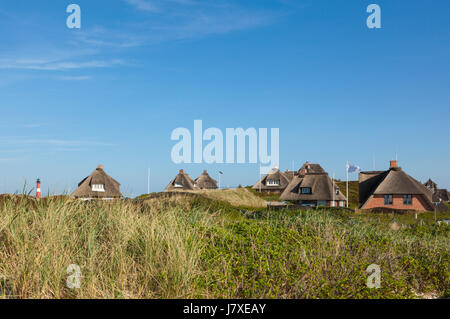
x: 38, y: 189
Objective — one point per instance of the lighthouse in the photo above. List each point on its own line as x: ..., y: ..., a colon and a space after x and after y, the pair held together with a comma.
x: 38, y: 188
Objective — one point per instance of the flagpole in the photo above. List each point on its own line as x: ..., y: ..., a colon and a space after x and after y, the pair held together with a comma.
x: 334, y: 191
x: 346, y: 170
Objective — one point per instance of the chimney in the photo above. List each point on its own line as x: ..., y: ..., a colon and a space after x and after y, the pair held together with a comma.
x: 101, y: 166
x: 181, y: 171
x: 204, y: 171
x: 393, y: 164
x: 38, y: 188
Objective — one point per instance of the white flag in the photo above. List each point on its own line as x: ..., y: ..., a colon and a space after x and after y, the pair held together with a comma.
x: 353, y: 168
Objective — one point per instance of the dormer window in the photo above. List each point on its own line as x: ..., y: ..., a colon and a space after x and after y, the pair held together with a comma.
x: 306, y: 190
x: 179, y: 185
x: 98, y: 187
x: 273, y: 182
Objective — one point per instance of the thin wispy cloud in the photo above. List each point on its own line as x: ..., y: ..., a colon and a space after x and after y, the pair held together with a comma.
x: 216, y: 23
x: 51, y: 142
x: 66, y: 149
x: 173, y: 19
x: 143, y: 5
x: 57, y: 142
x: 99, y: 37
x: 42, y: 65
x: 159, y: 5
x: 27, y: 125
x: 169, y: 20
x: 74, y: 78
x: 156, y: 21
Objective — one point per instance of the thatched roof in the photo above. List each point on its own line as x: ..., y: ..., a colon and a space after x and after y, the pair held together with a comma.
x: 438, y: 194
x: 290, y: 174
x: 321, y: 188
x: 431, y: 185
x: 391, y: 182
x: 441, y: 195
x: 98, y: 177
x: 205, y: 181
x: 182, y: 179
x: 274, y: 175
x: 310, y: 168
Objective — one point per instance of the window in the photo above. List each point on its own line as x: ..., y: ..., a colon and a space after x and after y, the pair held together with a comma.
x: 387, y: 199
x: 341, y: 203
x: 98, y: 187
x: 321, y: 203
x: 178, y: 184
x: 306, y: 190
x: 273, y: 182
x: 407, y: 199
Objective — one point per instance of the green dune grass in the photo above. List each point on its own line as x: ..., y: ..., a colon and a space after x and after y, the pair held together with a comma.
x: 205, y: 248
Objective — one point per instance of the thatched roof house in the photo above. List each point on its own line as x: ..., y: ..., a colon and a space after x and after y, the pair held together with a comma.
x: 393, y: 189
x: 309, y: 168
x: 205, y: 181
x: 274, y: 182
x: 432, y: 186
x: 439, y: 195
x: 181, y: 182
x: 313, y: 187
x: 98, y: 185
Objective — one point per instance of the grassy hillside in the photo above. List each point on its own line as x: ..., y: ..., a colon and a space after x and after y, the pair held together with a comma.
x: 353, y: 192
x: 239, y: 197
x: 195, y: 247
x: 236, y: 197
x: 267, y: 197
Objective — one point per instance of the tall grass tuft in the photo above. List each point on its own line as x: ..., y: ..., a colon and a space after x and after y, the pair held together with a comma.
x: 123, y: 251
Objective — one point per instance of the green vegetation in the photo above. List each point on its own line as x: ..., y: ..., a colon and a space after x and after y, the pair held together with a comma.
x: 267, y: 197
x: 196, y: 247
x: 239, y: 197
x: 353, y: 192
x: 235, y: 197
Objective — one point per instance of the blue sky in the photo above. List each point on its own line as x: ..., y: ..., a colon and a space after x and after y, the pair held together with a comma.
x: 113, y: 91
